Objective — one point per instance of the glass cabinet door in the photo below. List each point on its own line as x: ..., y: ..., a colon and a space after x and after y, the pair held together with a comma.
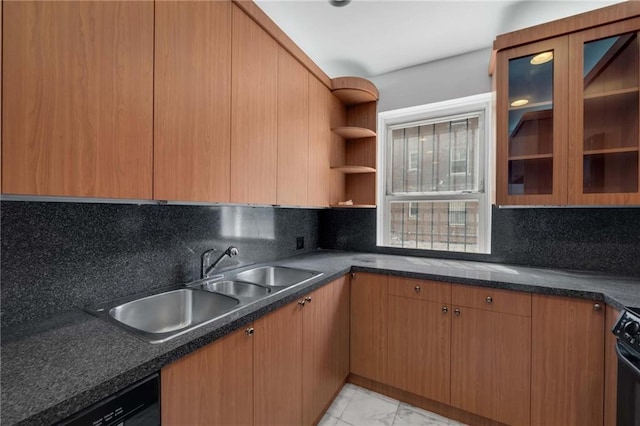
x: 604, y: 144
x: 532, y: 124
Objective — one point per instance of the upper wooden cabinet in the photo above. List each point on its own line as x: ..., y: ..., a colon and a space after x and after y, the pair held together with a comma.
x: 77, y: 115
x: 320, y: 136
x: 356, y: 158
x: 254, y: 118
x: 192, y: 111
x: 567, y: 112
x: 293, y: 130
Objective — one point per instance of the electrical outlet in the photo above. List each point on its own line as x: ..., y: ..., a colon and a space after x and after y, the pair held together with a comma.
x: 299, y: 243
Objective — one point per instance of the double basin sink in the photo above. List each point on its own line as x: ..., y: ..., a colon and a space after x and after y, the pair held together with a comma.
x: 160, y: 317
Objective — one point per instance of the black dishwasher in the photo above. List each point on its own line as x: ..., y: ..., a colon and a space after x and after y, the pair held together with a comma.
x: 627, y: 329
x: 137, y: 405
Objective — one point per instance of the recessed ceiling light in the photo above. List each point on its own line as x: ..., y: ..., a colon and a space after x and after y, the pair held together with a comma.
x: 519, y: 102
x: 339, y: 3
x: 542, y: 58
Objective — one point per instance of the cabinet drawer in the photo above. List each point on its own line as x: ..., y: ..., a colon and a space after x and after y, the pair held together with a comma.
x: 420, y: 289
x: 491, y: 299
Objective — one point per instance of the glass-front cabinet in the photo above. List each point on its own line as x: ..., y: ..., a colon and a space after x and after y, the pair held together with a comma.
x: 604, y: 138
x: 532, y: 108
x: 567, y: 119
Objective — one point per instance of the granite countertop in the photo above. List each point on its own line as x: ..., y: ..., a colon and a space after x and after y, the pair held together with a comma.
x: 54, y: 368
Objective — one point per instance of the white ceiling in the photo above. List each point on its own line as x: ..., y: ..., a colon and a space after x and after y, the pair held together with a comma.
x: 371, y: 37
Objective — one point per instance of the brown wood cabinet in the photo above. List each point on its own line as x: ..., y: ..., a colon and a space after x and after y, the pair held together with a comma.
x: 369, y: 326
x: 293, y: 131
x: 567, y: 111
x: 325, y: 337
x: 212, y: 385
x: 567, y: 361
x: 419, y: 342
x: 319, y: 173
x: 254, y: 106
x: 192, y: 103
x: 77, y: 116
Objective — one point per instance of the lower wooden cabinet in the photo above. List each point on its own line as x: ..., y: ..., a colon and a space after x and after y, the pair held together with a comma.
x: 610, y: 368
x: 285, y: 369
x: 567, y: 361
x: 491, y: 364
x: 212, y: 386
x: 369, y: 302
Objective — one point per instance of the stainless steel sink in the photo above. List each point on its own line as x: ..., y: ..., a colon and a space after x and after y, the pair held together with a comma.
x: 276, y: 276
x: 166, y: 315
x: 237, y: 289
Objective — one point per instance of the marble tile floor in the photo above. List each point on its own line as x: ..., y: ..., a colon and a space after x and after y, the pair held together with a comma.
x: 356, y: 406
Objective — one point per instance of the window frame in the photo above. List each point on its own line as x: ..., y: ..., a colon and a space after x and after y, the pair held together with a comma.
x: 429, y: 113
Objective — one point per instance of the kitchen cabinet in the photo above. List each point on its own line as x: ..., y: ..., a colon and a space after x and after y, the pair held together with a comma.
x: 254, y: 106
x: 293, y: 131
x: 567, y: 114
x: 192, y: 101
x: 610, y: 368
x: 301, y: 356
x: 567, y: 361
x: 211, y: 385
x: 325, y: 337
x: 319, y: 173
x: 357, y: 157
x: 419, y: 342
x: 369, y: 326
x: 491, y: 353
x: 77, y: 116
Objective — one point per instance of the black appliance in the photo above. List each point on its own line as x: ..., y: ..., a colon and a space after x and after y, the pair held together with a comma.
x: 627, y: 330
x: 136, y: 405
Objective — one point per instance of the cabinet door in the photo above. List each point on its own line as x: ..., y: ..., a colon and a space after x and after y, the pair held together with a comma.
x: 254, y: 103
x: 192, y: 112
x: 277, y: 367
x: 78, y: 99
x: 369, y: 304
x: 491, y: 365
x: 604, y: 140
x: 209, y: 387
x: 293, y: 130
x: 567, y: 362
x: 610, y: 368
x: 419, y: 347
x: 532, y: 124
x: 320, y: 103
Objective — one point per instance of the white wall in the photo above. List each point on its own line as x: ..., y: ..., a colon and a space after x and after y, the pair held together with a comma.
x: 448, y: 78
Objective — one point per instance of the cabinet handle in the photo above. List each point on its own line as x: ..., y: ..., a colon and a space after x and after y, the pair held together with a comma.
x: 597, y: 307
x: 445, y: 309
x: 353, y: 275
x: 417, y: 289
x: 249, y: 331
x: 301, y: 303
x: 456, y: 311
x: 489, y: 299
x: 307, y: 299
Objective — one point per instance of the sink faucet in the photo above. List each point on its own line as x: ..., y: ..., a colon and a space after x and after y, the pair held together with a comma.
x: 206, y: 258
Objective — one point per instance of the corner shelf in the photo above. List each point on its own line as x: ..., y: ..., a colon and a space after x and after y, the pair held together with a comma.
x: 354, y: 90
x: 349, y: 170
x: 350, y: 132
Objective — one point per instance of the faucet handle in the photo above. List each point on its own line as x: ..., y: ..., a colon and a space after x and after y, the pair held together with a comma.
x: 232, y: 251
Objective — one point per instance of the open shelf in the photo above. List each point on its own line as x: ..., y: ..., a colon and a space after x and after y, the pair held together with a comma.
x: 354, y: 90
x: 611, y: 150
x: 349, y: 132
x: 611, y: 93
x: 354, y: 96
x: 530, y: 157
x: 349, y: 170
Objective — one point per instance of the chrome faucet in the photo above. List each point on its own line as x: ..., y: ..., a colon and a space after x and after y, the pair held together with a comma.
x: 206, y: 258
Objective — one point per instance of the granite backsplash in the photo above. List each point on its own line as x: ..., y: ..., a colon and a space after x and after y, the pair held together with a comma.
x: 57, y: 255
x: 587, y: 239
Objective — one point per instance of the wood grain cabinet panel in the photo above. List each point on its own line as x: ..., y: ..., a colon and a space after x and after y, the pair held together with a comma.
x: 492, y: 299
x: 369, y: 304
x: 78, y: 99
x: 293, y: 130
x: 434, y: 291
x: 254, y: 121
x: 210, y: 386
x: 192, y: 122
x: 610, y: 368
x: 320, y: 136
x: 567, y: 362
x: 491, y: 365
x: 419, y: 347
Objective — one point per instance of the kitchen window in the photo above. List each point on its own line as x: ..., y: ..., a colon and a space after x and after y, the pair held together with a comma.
x: 433, y: 185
